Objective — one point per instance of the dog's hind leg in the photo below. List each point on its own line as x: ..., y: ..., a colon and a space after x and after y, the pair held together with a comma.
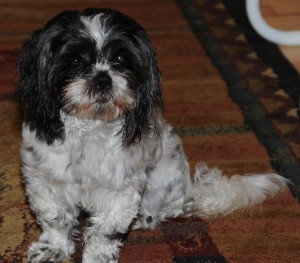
x: 168, y: 185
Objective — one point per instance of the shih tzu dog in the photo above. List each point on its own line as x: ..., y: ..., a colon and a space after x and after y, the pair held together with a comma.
x: 94, y: 139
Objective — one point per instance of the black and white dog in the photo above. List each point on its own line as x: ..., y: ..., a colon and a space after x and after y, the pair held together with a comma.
x: 94, y: 138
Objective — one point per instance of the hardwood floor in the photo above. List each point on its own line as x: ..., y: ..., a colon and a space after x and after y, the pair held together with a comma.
x: 285, y: 15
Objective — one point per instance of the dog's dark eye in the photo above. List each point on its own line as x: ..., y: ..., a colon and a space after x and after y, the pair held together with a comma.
x: 75, y: 62
x: 120, y: 59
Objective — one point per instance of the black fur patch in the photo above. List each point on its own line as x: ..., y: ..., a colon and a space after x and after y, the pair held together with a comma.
x: 116, y: 236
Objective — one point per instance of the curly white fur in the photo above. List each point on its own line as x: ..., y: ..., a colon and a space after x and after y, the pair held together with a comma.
x: 92, y: 170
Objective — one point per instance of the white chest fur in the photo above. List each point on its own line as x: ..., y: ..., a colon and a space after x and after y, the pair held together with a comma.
x: 90, y: 157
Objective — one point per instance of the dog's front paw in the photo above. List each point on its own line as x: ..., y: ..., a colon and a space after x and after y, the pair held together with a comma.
x: 100, y: 254
x: 100, y: 250
x: 40, y: 252
x: 99, y: 259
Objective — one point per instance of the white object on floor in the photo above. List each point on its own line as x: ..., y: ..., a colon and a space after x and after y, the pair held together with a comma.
x: 274, y: 35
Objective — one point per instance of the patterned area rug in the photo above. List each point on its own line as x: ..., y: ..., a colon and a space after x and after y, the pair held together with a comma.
x: 227, y: 103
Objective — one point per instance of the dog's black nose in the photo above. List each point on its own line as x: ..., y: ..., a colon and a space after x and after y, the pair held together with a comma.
x: 102, y: 82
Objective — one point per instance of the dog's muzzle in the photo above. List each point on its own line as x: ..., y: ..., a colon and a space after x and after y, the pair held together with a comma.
x: 102, y: 87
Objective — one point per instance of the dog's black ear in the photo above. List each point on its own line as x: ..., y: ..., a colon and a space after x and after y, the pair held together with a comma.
x: 149, y: 98
x: 36, y: 89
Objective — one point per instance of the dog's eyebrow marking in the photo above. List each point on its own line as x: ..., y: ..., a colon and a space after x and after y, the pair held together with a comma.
x: 96, y: 27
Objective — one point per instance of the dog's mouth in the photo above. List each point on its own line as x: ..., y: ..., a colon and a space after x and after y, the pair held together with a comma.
x: 104, y: 98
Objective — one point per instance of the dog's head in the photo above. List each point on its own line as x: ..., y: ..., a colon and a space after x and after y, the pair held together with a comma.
x: 94, y: 64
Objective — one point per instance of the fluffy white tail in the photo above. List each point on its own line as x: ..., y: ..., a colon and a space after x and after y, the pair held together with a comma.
x: 215, y: 194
